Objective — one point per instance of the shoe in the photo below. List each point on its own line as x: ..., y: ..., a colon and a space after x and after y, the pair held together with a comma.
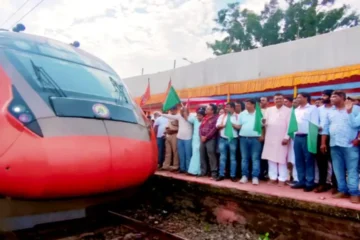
x: 233, y: 179
x: 355, y: 199
x: 219, y: 178
x: 334, y: 191
x: 214, y: 177
x: 292, y: 183
x: 298, y: 186
x: 322, y: 188
x: 309, y: 189
x: 340, y: 195
x: 244, y: 179
x: 281, y: 184
x: 255, y: 181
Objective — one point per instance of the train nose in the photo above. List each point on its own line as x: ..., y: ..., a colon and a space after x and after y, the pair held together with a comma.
x: 56, y: 167
x: 68, y: 163
x: 134, y: 154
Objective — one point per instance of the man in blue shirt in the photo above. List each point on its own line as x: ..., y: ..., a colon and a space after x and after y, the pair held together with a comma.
x: 160, y: 125
x: 341, y: 126
x: 250, y: 143
x: 323, y: 159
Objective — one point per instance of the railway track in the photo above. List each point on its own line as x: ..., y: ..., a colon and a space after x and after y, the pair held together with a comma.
x: 109, y: 225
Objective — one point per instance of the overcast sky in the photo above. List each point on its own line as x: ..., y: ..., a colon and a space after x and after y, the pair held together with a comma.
x: 129, y: 34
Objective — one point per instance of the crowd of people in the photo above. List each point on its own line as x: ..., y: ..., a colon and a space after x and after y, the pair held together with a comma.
x: 222, y: 142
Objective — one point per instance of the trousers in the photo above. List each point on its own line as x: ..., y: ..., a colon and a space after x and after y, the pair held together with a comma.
x: 208, y: 151
x: 171, y: 153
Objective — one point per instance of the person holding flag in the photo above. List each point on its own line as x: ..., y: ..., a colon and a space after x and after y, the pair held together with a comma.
x: 276, y: 122
x: 249, y: 124
x: 305, y: 132
x: 292, y: 104
x: 228, y: 140
x: 184, y: 135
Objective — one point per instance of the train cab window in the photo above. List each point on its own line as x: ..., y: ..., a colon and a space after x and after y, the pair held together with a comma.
x: 62, y: 78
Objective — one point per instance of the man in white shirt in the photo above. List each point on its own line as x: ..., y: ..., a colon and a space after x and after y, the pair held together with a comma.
x: 184, y: 136
x: 304, y: 160
x: 228, y: 140
x: 276, y: 121
x: 159, y: 127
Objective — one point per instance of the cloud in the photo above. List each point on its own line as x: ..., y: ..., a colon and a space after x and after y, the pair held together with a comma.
x: 130, y: 34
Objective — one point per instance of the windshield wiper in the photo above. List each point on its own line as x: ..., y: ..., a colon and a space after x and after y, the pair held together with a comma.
x: 45, y: 80
x: 120, y: 90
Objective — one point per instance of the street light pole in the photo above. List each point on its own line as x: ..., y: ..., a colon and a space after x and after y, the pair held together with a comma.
x: 174, y: 63
x: 185, y: 59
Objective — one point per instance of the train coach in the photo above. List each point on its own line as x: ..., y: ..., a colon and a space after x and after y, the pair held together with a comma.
x: 68, y: 125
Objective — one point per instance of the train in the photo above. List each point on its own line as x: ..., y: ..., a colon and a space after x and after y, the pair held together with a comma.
x: 69, y: 126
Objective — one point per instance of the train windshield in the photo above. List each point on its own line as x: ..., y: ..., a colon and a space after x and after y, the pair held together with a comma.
x: 51, y: 76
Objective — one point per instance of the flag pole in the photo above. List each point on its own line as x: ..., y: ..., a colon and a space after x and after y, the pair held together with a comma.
x: 150, y: 95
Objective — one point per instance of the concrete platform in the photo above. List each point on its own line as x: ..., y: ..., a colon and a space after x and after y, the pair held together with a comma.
x: 283, y: 212
x: 267, y: 189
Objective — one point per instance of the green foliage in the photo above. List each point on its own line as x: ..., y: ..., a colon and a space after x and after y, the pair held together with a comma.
x: 264, y: 237
x: 301, y: 19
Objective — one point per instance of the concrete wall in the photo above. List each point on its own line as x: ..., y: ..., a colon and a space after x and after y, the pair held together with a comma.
x: 331, y: 50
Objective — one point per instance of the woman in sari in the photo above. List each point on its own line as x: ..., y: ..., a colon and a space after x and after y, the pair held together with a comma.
x: 194, y: 168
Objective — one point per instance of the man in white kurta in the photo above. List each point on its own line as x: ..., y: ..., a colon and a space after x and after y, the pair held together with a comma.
x: 276, y: 121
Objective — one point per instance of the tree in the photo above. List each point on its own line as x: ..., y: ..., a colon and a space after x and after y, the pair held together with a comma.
x: 246, y: 30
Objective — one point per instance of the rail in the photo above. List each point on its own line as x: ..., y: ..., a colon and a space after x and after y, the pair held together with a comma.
x: 91, y: 226
x: 134, y: 224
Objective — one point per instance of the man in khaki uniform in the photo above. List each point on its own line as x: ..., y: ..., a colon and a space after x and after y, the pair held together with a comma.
x: 171, y: 154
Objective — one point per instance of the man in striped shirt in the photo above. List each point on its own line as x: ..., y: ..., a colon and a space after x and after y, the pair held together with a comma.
x: 208, y: 133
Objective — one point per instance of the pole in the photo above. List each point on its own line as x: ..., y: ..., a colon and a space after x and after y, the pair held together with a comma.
x: 174, y: 63
x: 142, y: 71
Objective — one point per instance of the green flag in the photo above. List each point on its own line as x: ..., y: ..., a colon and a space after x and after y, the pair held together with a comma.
x: 258, y: 117
x: 312, y: 138
x: 172, y: 99
x: 229, y: 128
x: 293, y: 126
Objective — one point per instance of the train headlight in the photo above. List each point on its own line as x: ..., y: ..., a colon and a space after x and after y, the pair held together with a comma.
x: 18, y: 109
x: 25, y: 118
x: 21, y: 112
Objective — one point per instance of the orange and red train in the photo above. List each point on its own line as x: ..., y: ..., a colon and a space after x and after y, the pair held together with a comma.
x: 68, y: 125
